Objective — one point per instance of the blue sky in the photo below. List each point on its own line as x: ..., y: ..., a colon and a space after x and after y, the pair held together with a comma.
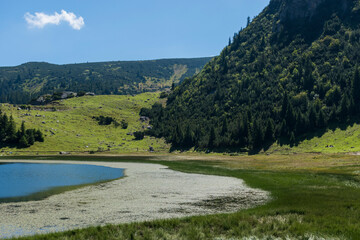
x: 120, y: 29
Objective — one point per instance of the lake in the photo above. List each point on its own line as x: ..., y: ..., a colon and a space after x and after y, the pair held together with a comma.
x: 18, y: 180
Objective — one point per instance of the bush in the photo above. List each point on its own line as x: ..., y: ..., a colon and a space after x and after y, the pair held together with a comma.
x: 139, y: 135
x: 124, y: 124
x: 104, y: 120
x: 164, y: 95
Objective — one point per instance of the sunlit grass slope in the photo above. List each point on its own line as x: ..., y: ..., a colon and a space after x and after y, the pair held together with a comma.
x: 69, y: 126
x: 340, y: 139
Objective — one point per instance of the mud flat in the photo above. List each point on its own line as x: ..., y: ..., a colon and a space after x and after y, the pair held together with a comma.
x: 148, y: 192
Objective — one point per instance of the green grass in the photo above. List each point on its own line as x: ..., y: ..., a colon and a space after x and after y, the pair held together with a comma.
x: 71, y: 128
x: 342, y: 139
x: 305, y: 202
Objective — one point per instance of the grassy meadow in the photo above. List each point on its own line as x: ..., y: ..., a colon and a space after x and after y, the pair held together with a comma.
x: 68, y: 125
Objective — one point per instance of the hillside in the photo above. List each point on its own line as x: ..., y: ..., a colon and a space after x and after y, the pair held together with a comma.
x: 292, y: 72
x: 22, y: 83
x: 69, y: 126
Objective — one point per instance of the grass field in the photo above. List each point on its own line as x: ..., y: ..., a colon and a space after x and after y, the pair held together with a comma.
x: 339, y: 139
x: 313, y: 197
x: 69, y: 126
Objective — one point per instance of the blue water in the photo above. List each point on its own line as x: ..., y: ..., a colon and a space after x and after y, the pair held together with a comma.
x: 23, y: 179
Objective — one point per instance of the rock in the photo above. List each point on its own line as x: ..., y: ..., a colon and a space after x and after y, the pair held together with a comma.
x: 294, y: 9
x: 143, y: 118
x: 301, y: 11
x: 65, y: 95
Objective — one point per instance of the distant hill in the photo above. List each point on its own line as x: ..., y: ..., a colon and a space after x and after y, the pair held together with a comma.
x: 293, y: 71
x: 22, y: 83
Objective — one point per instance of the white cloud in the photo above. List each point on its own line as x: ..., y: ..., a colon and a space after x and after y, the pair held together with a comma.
x: 40, y: 19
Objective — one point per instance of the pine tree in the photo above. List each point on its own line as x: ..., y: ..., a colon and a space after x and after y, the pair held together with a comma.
x: 22, y: 129
x: 322, y: 119
x: 11, y: 130
x: 257, y: 135
x: 30, y: 136
x: 177, y: 136
x: 188, y: 138
x: 344, y: 108
x: 39, y: 136
x: 284, y: 106
x: 355, y: 89
x: 224, y: 128
x: 308, y: 80
x: 270, y: 131
x: 212, y: 138
x: 292, y: 139
x: 23, y: 142
x: 312, y: 116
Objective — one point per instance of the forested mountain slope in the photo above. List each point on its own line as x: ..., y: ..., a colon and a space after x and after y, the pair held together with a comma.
x: 291, y: 71
x: 22, y: 83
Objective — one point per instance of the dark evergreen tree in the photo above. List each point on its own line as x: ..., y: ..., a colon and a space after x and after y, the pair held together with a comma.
x: 212, y: 138
x: 23, y: 142
x: 39, y: 136
x: 355, y: 89
x: 270, y: 131
x: 21, y: 138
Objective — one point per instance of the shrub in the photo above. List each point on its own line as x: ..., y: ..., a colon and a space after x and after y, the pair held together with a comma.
x: 124, y: 124
x: 139, y: 135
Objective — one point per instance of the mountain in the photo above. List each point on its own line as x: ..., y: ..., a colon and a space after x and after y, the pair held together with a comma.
x: 291, y: 72
x: 22, y: 83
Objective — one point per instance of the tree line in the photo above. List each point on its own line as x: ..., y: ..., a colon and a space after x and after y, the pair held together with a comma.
x: 21, y: 138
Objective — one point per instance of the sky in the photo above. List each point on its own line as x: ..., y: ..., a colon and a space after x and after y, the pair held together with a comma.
x: 76, y: 31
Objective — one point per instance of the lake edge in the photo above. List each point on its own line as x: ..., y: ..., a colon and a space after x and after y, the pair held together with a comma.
x: 41, y: 195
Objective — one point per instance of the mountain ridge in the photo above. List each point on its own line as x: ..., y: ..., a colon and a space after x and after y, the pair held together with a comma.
x: 22, y: 83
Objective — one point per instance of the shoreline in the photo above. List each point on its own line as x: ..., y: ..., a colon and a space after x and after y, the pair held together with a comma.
x: 147, y: 192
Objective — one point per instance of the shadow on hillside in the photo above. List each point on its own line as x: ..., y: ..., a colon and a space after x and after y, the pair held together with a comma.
x: 319, y: 132
x: 316, y: 133
x: 282, y: 141
x: 10, y: 145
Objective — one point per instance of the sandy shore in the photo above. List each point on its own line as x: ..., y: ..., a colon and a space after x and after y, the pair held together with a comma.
x: 149, y: 191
